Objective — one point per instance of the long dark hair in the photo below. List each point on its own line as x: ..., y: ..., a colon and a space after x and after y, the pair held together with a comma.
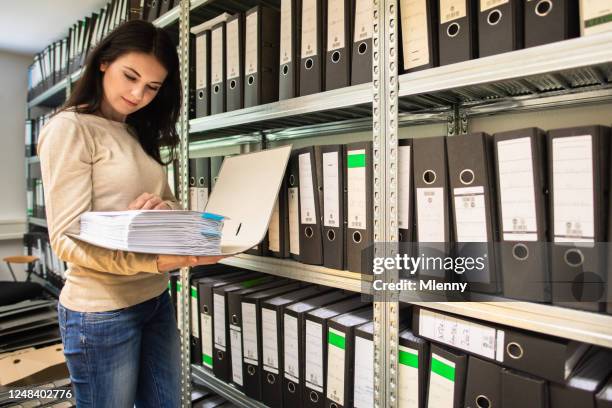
x: 155, y: 124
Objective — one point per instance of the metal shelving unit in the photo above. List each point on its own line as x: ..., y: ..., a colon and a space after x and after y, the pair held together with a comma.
x: 204, y: 377
x: 41, y: 222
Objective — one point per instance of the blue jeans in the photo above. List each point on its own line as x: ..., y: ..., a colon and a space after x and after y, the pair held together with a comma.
x: 124, y: 357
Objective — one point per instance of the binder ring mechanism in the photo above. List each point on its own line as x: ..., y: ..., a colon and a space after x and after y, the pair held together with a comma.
x: 543, y: 8
x: 482, y: 401
x: 251, y: 370
x: 314, y: 397
x: 291, y: 387
x: 515, y: 350
x: 453, y: 29
x: 494, y: 17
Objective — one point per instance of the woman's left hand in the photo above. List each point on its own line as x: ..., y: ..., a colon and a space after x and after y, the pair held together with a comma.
x: 147, y: 201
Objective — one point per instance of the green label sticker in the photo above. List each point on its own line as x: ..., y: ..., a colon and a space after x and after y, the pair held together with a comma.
x: 194, y: 293
x: 252, y: 282
x: 207, y: 359
x: 336, y: 340
x: 170, y: 286
x: 178, y: 286
x: 598, y: 21
x: 442, y: 369
x: 408, y: 359
x: 356, y: 160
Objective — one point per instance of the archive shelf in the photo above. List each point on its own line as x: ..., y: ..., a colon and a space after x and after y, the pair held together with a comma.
x: 204, y: 377
x: 41, y: 222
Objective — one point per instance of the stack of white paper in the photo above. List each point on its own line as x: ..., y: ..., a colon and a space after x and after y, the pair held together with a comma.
x: 155, y: 231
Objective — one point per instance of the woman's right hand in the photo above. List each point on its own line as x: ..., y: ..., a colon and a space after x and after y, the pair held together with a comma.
x: 167, y: 263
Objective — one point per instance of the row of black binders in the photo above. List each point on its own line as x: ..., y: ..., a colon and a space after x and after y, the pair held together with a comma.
x: 48, y: 266
x: 150, y: 10
x: 35, y: 194
x: 33, y: 127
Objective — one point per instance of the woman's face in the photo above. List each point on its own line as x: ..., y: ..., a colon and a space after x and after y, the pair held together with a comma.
x: 130, y: 83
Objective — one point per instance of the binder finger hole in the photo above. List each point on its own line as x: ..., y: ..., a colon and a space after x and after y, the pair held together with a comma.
x: 543, y: 8
x: 285, y: 69
x: 308, y: 232
x: 309, y: 63
x: 494, y: 17
x: 271, y: 378
x: 333, y: 405
x: 291, y: 179
x: 514, y: 350
x: 520, y: 252
x: 331, y: 235
x: 205, y: 309
x: 201, y: 95
x: 356, y: 237
x: 482, y: 401
x: 314, y: 397
x: 216, y: 89
x: 201, y: 181
x: 335, y: 57
x: 235, y: 319
x: 466, y: 176
x: 429, y: 176
x: 219, y: 355
x: 573, y: 257
x: 251, y: 80
x: 192, y: 181
x: 291, y: 387
x: 232, y: 84
x: 251, y: 370
x: 363, y: 47
x: 453, y: 29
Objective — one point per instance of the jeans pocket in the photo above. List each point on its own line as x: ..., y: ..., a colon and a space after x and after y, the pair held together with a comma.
x: 93, y: 317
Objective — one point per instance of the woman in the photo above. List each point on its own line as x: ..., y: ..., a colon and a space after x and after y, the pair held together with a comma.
x: 102, y: 153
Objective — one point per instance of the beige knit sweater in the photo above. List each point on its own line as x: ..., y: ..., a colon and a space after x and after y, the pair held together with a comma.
x: 90, y: 163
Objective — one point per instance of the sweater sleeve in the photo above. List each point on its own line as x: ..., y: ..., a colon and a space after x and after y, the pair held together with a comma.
x: 66, y: 152
x: 170, y: 199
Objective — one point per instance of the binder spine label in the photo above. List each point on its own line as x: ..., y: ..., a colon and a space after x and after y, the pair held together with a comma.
x: 202, y: 199
x: 294, y: 221
x: 441, y: 379
x: 336, y: 342
x: 331, y: 186
x: 489, y: 4
x: 408, y: 377
x: 516, y: 190
x: 274, y: 229
x: 179, y: 307
x: 216, y: 55
x: 309, y: 28
x: 335, y: 25
x: 270, y: 340
x: 596, y: 16
x: 286, y: 32
x: 364, y: 373
x: 470, y: 214
x: 201, y: 61
x: 236, y: 349
x: 314, y: 356
x: 249, y: 337
x: 207, y: 339
x: 193, y: 199
x: 356, y: 186
x: 232, y: 49
x: 219, y: 313
x: 403, y: 175
x: 415, y: 28
x: 292, y: 360
x: 430, y: 214
x: 251, y: 44
x: 452, y: 10
x: 308, y: 213
x: 195, y: 322
x: 573, y: 206
x: 364, y: 20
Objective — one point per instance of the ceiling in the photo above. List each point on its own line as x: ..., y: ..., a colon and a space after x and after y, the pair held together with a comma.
x: 28, y: 26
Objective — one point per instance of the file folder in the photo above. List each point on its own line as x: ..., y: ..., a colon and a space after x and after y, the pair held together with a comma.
x: 315, y: 372
x: 500, y: 27
x: 338, y: 51
x: 152, y: 10
x: 341, y: 356
x: 419, y: 34
x: 471, y: 178
x: 215, y: 168
x: 217, y: 69
x: 312, y: 54
x: 549, y: 21
x: 361, y: 61
x: 234, y: 54
x: 293, y: 197
x: 252, y: 334
x: 405, y: 199
x: 262, y: 48
x: 272, y: 311
x: 603, y: 398
x: 520, y: 158
x: 290, y: 31
x: 483, y: 384
x: 579, y: 161
x: 333, y: 206
x: 278, y: 230
x: 199, y: 183
x: 359, y: 233
x: 520, y: 390
x: 595, y: 17
x: 165, y: 6
x: 457, y: 31
x: 446, y: 378
x: 294, y: 336
x: 311, y: 245
x: 413, y: 370
x: 202, y: 74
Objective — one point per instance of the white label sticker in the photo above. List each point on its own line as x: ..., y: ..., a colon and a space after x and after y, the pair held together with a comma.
x: 195, y: 322
x: 207, y: 339
x: 595, y: 16
x: 251, y: 44
x: 403, y: 178
x: 232, y: 49
x: 331, y: 202
x: 270, y: 340
x: 179, y: 304
x: 201, y: 62
x: 430, y: 214
x: 470, y: 214
x: 364, y: 20
x: 452, y: 10
x: 249, y: 336
x: 516, y: 190
x: 307, y: 193
x: 445, y: 387
x: 202, y: 199
x: 408, y: 378
x: 314, y: 356
x: 489, y: 4
x: 415, y: 29
x: 356, y: 186
x: 193, y: 198
x: 216, y: 55
x: 572, y: 162
x: 335, y: 24
x: 364, y: 373
x: 309, y: 28
x: 294, y: 221
x: 335, y: 367
x: 236, y: 349
x: 274, y: 229
x: 219, y: 313
x: 292, y: 358
x: 286, y: 31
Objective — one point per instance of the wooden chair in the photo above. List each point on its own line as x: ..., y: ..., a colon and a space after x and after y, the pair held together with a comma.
x: 20, y: 259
